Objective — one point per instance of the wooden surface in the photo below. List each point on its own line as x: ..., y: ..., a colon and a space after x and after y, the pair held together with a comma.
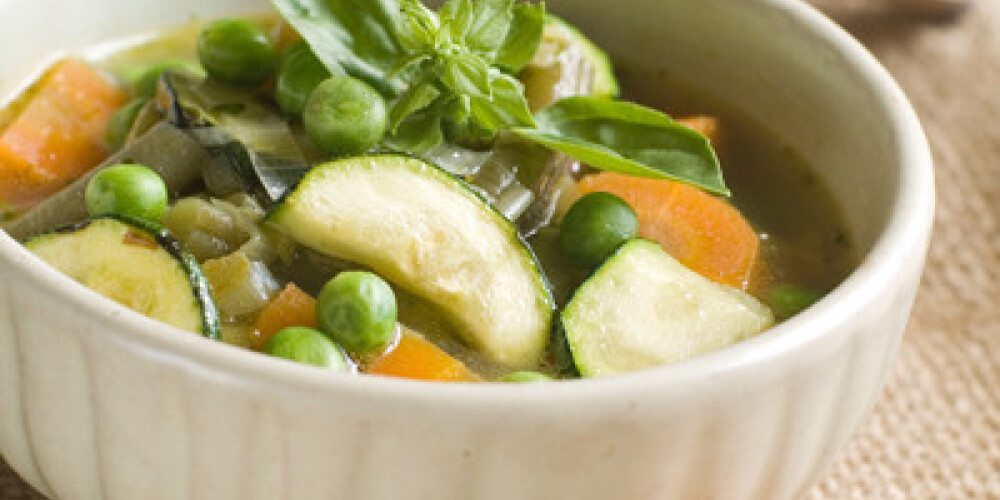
x: 935, y: 433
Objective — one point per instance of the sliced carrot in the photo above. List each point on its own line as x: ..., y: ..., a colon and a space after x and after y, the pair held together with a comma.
x: 709, y: 126
x: 58, y: 135
x: 703, y: 232
x: 291, y: 307
x: 417, y: 358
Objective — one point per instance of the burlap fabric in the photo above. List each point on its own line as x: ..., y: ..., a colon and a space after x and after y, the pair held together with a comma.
x: 935, y: 433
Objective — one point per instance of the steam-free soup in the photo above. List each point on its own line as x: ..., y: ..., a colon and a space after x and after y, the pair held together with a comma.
x: 456, y: 195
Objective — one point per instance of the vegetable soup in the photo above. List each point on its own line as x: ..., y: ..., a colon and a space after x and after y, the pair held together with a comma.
x: 462, y: 195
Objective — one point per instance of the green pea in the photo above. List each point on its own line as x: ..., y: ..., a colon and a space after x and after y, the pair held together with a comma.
x: 525, y: 377
x: 299, y: 73
x: 345, y: 116
x: 308, y: 346
x: 144, y: 79
x: 357, y: 309
x: 788, y: 300
x: 236, y: 51
x: 595, y: 226
x: 129, y: 190
x: 121, y: 122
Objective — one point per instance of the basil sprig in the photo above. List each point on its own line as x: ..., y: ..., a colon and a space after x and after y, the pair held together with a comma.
x: 453, y: 63
x: 453, y: 70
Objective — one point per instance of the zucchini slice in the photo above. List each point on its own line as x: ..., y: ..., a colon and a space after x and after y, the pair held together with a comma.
x: 605, y: 84
x: 429, y: 234
x: 143, y: 269
x: 642, y: 308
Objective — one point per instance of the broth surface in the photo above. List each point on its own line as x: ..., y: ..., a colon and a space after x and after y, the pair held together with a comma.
x: 803, y: 233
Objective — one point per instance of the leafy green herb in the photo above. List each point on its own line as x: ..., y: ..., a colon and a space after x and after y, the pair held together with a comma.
x: 505, y: 107
x: 627, y: 138
x: 359, y: 37
x: 486, y: 29
x: 457, y: 51
x: 439, y: 67
x: 449, y: 74
x: 413, y: 100
x: 522, y: 39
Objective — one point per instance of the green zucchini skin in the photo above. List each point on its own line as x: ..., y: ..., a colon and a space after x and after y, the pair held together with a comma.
x: 199, y: 284
x: 48, y: 245
x: 642, y: 309
x: 427, y: 232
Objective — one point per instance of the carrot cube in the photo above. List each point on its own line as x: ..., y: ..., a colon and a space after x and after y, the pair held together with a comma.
x: 58, y: 135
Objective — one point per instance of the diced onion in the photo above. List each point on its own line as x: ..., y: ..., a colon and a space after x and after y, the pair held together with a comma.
x: 240, y: 286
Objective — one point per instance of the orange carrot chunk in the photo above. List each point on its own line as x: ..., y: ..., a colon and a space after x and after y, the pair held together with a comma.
x: 704, y: 233
x: 709, y: 126
x: 417, y: 358
x: 58, y: 135
x: 291, y: 307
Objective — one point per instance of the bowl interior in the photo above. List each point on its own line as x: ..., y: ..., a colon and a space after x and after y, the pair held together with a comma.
x: 821, y: 95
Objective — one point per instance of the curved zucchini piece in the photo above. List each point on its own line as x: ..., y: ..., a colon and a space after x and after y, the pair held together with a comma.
x: 429, y: 234
x: 605, y: 84
x: 642, y: 308
x: 139, y: 267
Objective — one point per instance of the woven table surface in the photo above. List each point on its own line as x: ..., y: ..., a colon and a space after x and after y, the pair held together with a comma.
x: 935, y: 432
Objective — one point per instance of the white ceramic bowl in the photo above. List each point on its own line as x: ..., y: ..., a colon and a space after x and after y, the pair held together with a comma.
x: 97, y: 402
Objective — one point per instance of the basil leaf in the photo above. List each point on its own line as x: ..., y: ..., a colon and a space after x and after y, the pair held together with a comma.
x: 361, y: 37
x: 409, y: 65
x: 420, y: 25
x: 466, y: 73
x: 413, y: 100
x: 524, y: 37
x: 457, y: 109
x: 490, y: 23
x: 418, y: 133
x: 506, y: 108
x: 457, y: 16
x: 627, y: 138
